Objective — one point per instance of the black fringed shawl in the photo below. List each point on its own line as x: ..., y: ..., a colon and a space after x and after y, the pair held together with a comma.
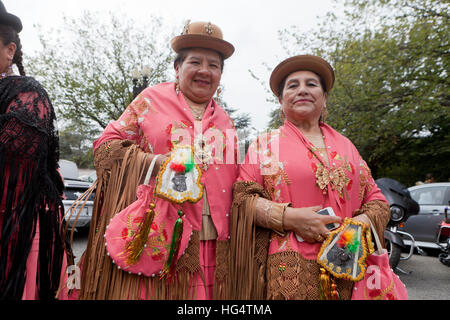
x: 30, y: 188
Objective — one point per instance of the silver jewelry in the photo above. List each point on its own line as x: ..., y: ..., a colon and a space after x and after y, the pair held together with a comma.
x: 7, y: 73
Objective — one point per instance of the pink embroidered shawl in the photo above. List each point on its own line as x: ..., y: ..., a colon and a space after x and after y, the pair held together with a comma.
x: 157, y: 120
x: 292, y: 176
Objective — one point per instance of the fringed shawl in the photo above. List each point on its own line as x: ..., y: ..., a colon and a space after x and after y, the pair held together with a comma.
x: 30, y: 188
x: 121, y: 168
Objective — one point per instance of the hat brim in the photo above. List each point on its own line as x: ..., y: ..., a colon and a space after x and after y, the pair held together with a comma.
x: 11, y: 20
x: 200, y: 41
x: 299, y: 63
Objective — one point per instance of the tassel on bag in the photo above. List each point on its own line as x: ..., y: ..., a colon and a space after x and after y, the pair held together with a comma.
x: 168, y: 268
x: 324, y: 285
x: 327, y: 286
x: 137, y: 244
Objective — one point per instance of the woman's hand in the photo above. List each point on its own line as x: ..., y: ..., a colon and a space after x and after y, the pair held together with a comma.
x: 307, y: 223
x: 363, y: 218
x: 159, y: 162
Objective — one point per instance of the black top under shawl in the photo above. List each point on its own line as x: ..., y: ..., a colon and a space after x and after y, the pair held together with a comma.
x: 30, y: 188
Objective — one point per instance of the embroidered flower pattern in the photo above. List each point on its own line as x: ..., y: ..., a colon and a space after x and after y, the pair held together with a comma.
x: 131, y: 119
x: 366, y: 181
x: 378, y: 294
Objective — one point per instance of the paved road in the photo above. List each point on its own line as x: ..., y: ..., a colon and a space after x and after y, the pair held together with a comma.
x: 427, y: 278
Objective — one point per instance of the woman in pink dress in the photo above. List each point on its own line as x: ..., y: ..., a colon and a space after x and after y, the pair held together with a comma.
x: 31, y: 209
x: 160, y: 118
x: 289, y: 174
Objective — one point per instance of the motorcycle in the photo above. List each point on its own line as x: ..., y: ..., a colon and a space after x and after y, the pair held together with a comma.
x: 443, y: 238
x: 402, y: 206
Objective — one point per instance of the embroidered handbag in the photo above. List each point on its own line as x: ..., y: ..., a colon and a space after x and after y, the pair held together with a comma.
x: 138, y: 238
x: 379, y: 282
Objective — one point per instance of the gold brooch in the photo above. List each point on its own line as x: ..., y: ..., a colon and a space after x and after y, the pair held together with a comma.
x: 186, y: 27
x: 209, y: 28
x: 337, y: 178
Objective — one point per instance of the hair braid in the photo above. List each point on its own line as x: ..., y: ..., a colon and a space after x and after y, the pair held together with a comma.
x: 18, y: 56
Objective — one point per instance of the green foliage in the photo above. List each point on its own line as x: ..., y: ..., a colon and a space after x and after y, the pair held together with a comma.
x: 76, y: 145
x: 391, y: 97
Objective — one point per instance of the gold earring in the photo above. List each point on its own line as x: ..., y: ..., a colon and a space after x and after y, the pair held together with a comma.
x: 282, y: 116
x: 323, y: 115
x: 218, y: 92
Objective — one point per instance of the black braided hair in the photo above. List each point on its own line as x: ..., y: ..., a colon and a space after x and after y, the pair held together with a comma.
x: 8, y: 35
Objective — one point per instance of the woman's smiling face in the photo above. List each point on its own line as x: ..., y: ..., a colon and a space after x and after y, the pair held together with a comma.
x: 303, y: 97
x: 199, y: 74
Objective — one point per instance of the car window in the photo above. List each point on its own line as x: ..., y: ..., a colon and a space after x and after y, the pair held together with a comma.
x: 429, y: 195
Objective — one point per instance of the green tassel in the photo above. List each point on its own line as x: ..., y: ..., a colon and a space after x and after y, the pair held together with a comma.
x: 167, y: 270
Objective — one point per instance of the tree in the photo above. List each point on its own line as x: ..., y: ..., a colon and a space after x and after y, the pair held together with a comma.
x: 242, y: 123
x: 86, y: 65
x: 76, y: 146
x: 391, y: 98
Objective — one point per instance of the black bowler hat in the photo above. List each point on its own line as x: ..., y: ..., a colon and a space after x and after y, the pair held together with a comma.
x: 9, y: 19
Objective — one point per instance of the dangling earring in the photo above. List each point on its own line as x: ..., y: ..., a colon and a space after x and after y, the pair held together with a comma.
x: 177, y: 86
x: 323, y: 115
x: 218, y: 92
x: 282, y: 116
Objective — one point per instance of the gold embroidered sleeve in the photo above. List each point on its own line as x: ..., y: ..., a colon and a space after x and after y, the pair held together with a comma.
x: 109, y: 152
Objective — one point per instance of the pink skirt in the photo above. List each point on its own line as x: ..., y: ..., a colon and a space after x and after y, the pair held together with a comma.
x: 208, y: 266
x: 30, y: 291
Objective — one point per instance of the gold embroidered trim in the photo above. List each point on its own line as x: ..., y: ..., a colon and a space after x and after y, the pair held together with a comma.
x: 361, y: 261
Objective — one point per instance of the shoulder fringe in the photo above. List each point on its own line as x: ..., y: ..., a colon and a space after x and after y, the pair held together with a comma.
x: 248, y: 245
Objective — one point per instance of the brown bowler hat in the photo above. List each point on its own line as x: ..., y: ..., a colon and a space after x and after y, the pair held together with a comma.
x: 299, y: 63
x: 202, y: 35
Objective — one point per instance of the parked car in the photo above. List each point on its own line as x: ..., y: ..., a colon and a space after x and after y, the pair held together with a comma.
x: 91, y: 177
x: 73, y: 189
x: 432, y: 198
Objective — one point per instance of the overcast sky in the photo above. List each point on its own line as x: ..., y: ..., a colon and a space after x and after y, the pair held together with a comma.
x: 250, y: 25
